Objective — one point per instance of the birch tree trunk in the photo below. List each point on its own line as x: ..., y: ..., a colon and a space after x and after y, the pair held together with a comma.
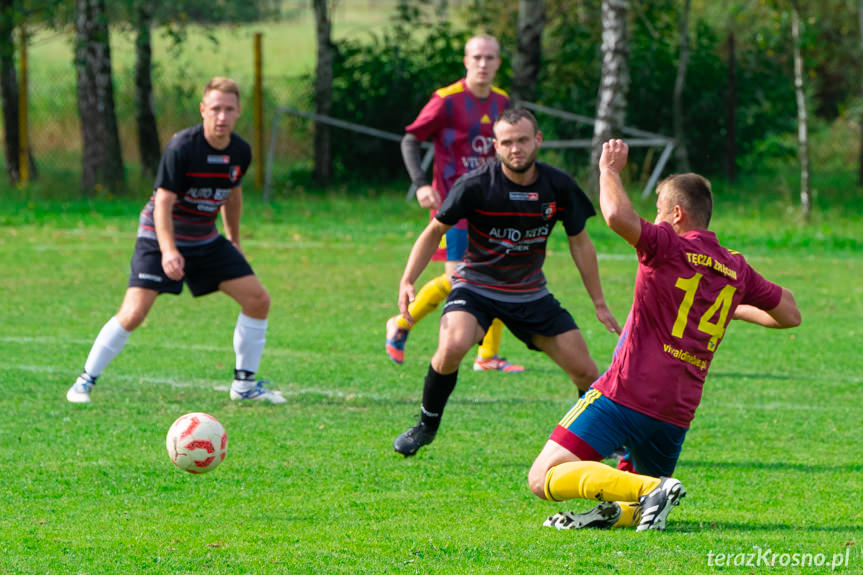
x: 102, y: 160
x: 526, y: 62
x: 323, y: 92
x: 681, y: 152
x: 145, y: 116
x: 614, y: 84
x: 802, y: 119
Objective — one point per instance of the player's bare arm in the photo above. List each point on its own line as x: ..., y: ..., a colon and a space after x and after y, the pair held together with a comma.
x: 615, y: 205
x: 584, y: 255
x: 232, y: 210
x: 783, y: 316
x: 172, y: 260
x: 421, y: 254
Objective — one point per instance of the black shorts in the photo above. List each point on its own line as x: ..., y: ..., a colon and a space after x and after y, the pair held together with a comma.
x: 206, y: 267
x: 544, y: 316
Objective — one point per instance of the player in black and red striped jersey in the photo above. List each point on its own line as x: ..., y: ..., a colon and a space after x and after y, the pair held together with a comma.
x: 199, y: 177
x: 511, y: 205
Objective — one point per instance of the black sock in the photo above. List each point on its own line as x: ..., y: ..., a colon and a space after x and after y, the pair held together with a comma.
x: 244, y: 375
x: 437, y: 389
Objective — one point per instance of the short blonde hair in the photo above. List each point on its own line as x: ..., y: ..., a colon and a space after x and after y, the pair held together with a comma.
x: 224, y: 85
x: 483, y: 37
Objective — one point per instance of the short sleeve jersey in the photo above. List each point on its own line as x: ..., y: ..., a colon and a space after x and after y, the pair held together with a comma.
x: 508, y: 228
x: 460, y: 125
x: 686, y: 290
x: 202, y: 177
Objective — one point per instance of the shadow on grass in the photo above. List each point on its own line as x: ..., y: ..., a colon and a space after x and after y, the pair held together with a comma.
x: 703, y: 526
x: 771, y: 466
x: 769, y: 376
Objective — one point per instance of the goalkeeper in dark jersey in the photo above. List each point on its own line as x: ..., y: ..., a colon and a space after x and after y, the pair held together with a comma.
x: 511, y: 206
x: 199, y: 177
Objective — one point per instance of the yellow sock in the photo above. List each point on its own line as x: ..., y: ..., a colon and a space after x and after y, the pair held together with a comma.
x: 491, y: 342
x: 428, y: 298
x: 630, y: 514
x: 596, y: 481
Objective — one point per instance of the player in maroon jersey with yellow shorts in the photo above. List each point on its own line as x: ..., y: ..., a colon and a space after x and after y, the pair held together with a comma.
x: 687, y: 289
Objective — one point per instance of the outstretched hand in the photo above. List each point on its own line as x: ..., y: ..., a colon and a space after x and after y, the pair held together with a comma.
x: 614, y: 155
x: 604, y: 315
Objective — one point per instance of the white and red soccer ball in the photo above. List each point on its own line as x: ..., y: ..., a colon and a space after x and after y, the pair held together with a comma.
x: 197, y: 442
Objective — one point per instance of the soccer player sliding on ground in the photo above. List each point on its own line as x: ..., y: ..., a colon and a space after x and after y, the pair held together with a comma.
x: 687, y: 289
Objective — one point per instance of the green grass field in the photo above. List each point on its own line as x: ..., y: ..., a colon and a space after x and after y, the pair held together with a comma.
x: 771, y: 462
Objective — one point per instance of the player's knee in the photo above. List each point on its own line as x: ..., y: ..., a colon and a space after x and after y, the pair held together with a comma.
x: 257, y: 305
x: 584, y: 375
x: 130, y: 319
x: 448, y: 356
x: 536, y: 480
x: 264, y: 301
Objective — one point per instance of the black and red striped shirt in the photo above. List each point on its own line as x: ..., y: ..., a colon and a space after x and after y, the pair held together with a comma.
x: 202, y: 177
x: 508, y: 228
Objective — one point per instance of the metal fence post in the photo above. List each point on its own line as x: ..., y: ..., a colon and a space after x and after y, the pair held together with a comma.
x: 259, y: 113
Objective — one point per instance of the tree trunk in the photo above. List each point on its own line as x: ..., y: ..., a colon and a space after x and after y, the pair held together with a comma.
x: 614, y: 84
x: 802, y: 120
x: 148, y: 132
x: 9, y: 88
x: 731, y: 113
x: 525, y: 64
x: 681, y: 152
x: 860, y: 19
x: 102, y: 160
x: 323, y: 92
x: 443, y: 10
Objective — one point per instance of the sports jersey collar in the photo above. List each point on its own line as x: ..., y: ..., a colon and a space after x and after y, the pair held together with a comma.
x: 474, y: 96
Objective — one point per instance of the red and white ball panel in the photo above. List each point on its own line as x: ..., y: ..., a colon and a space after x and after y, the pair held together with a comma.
x: 197, y: 442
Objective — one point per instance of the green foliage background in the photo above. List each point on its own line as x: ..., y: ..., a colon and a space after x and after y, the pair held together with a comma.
x: 391, y: 55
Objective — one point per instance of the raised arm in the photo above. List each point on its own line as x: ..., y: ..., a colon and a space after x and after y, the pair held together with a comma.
x: 613, y: 202
x: 584, y: 255
x: 783, y: 316
x: 421, y: 254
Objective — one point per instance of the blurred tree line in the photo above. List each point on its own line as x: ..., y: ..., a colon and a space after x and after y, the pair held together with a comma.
x: 92, y: 20
x: 718, y: 76
x: 737, y: 97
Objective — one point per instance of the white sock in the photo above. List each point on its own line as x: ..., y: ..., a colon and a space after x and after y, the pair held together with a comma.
x: 108, y: 344
x: 250, y: 335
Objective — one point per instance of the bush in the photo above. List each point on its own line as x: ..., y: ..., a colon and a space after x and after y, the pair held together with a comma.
x: 384, y: 83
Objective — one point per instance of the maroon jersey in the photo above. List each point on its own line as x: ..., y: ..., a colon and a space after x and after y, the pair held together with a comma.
x: 461, y: 126
x: 686, y: 290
